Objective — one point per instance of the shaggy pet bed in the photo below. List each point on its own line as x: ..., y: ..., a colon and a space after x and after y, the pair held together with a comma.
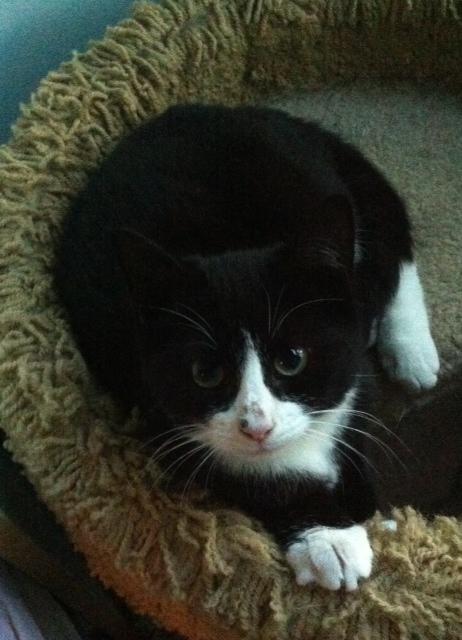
x: 212, y: 573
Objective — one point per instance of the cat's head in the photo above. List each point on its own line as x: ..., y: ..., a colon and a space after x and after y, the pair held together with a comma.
x: 251, y: 354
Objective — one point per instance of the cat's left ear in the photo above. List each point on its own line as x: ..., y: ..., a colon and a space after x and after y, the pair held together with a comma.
x: 332, y: 232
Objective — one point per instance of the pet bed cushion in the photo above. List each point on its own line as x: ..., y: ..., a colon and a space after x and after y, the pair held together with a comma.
x: 214, y: 573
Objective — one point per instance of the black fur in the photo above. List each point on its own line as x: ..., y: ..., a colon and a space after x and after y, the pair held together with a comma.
x: 217, y: 209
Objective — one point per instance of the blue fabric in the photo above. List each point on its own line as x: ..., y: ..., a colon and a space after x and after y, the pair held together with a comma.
x: 28, y: 612
x: 36, y: 35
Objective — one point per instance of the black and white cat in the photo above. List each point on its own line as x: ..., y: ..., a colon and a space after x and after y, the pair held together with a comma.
x: 227, y: 270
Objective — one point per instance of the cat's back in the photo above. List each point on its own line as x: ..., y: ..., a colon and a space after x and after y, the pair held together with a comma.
x: 206, y: 180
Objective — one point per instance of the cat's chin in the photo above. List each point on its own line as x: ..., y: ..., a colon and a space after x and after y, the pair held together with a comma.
x: 276, y: 446
x: 253, y: 455
x: 286, y: 456
x: 266, y: 450
x: 261, y: 456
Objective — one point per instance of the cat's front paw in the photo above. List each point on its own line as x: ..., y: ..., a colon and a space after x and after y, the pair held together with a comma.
x: 331, y: 557
x: 412, y: 360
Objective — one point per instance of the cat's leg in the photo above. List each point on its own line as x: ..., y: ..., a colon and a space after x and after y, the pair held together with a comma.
x: 331, y: 557
x: 335, y: 551
x: 404, y: 341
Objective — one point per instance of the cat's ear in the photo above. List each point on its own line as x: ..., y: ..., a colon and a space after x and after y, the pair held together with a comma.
x: 331, y: 234
x: 140, y: 259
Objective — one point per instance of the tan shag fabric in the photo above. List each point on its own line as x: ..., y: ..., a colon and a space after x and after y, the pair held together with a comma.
x: 212, y: 574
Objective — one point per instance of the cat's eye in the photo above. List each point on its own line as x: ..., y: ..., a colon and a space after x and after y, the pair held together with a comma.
x: 291, y: 362
x: 207, y: 375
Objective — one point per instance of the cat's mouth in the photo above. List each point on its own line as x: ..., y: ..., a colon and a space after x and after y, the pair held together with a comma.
x: 267, y: 448
x: 262, y: 451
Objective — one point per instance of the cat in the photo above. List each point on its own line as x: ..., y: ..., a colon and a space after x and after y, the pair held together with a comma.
x: 227, y: 270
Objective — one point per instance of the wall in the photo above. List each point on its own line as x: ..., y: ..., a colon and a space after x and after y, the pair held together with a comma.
x: 36, y: 35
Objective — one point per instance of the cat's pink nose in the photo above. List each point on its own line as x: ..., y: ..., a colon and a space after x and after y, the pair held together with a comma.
x: 257, y: 432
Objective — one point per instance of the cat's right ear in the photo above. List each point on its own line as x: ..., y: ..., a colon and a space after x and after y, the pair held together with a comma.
x: 144, y: 262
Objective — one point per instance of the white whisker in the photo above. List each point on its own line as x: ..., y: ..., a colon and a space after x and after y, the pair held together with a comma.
x: 276, y: 311
x: 343, y: 453
x: 176, y: 464
x: 349, y: 446
x: 268, y: 298
x: 192, y: 322
x: 166, y: 448
x: 194, y: 474
x: 299, y: 306
x: 198, y: 315
x: 370, y: 418
x: 162, y: 453
x: 211, y: 468
x: 385, y: 448
x: 181, y: 428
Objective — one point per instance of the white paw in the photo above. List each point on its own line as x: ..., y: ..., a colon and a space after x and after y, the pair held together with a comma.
x: 411, y: 359
x: 331, y: 557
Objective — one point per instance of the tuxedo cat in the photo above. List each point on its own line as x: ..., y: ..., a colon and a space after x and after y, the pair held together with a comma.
x: 227, y: 271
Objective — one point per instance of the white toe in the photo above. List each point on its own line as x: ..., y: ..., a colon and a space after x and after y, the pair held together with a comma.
x: 413, y: 361
x: 331, y: 557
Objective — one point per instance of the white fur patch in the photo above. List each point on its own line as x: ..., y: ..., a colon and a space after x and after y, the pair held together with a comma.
x: 331, y: 557
x: 298, y: 441
x: 404, y: 341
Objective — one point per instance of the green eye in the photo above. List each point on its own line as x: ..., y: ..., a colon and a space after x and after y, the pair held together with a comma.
x: 207, y: 375
x: 291, y: 362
